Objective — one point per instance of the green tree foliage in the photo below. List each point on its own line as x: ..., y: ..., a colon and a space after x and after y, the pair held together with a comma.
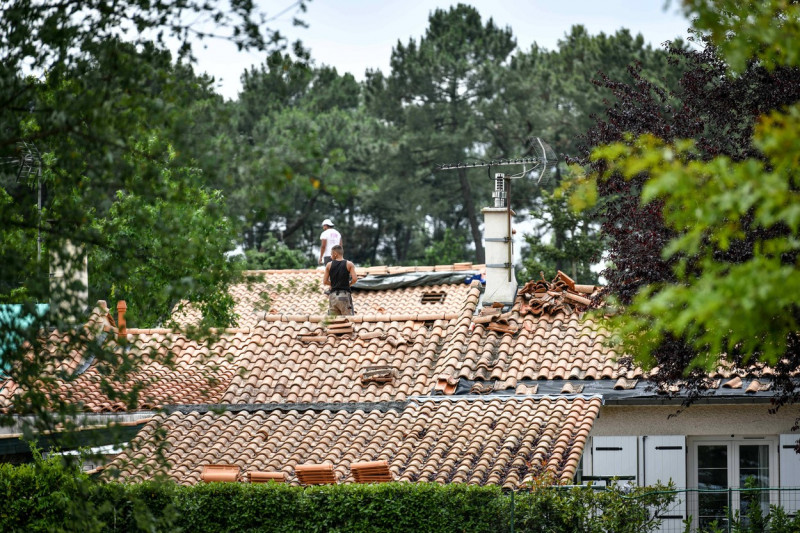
x: 134, y: 227
x: 92, y: 86
x: 434, y: 95
x: 447, y: 250
x: 310, y: 143
x: 306, y: 154
x: 555, y: 95
x: 580, y: 246
x: 731, y: 248
x: 273, y: 254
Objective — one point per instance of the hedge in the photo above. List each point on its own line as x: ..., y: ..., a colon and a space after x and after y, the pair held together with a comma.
x: 50, y: 496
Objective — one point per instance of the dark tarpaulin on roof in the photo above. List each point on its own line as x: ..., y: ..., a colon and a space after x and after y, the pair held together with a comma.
x: 413, y: 279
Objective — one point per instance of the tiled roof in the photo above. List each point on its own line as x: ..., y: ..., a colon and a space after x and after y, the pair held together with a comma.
x: 540, y: 347
x: 476, y: 442
x: 283, y: 364
x: 300, y: 292
x: 197, y: 374
x: 377, y: 358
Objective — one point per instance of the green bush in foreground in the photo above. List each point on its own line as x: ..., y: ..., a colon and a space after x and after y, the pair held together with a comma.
x: 51, y: 496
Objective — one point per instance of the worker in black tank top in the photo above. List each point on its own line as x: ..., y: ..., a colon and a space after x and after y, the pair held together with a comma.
x: 340, y: 274
x: 340, y: 277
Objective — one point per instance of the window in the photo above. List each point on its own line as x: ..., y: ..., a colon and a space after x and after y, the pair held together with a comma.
x: 720, y: 464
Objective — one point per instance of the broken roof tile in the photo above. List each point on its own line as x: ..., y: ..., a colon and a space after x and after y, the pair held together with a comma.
x: 733, y: 383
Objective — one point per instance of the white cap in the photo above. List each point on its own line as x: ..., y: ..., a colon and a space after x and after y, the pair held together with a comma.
x: 327, y: 222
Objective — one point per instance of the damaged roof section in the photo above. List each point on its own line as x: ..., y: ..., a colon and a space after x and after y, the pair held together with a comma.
x: 562, y: 295
x: 379, y: 291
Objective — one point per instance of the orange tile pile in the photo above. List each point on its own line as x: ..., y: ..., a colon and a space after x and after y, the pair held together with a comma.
x: 314, y: 474
x: 220, y: 472
x: 560, y: 295
x: 340, y: 326
x: 372, y: 472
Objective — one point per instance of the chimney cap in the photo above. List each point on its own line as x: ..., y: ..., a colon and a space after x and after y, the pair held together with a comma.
x: 121, y: 305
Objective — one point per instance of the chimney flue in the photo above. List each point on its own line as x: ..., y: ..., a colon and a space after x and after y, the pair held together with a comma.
x: 122, y: 330
x: 500, y: 193
x: 501, y: 284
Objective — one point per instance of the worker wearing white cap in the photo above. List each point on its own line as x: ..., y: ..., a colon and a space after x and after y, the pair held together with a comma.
x: 330, y: 238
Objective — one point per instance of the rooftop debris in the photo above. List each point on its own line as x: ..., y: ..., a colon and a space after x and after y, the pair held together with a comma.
x: 561, y: 294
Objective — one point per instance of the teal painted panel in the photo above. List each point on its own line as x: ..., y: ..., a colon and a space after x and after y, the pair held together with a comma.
x: 13, y: 318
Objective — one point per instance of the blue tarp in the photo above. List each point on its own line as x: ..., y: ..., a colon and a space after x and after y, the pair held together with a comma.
x: 13, y: 319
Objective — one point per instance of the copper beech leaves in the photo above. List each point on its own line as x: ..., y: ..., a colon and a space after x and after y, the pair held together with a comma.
x: 702, y: 208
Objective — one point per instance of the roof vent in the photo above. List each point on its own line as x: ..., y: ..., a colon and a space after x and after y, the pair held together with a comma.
x: 372, y: 472
x: 433, y: 297
x: 221, y: 472
x: 312, y: 474
x: 264, y: 477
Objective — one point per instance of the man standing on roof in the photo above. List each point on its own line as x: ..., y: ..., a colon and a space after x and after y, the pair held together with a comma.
x: 330, y: 238
x: 340, y: 274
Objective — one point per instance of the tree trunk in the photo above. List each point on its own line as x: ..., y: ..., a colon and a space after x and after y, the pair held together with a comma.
x: 302, y: 218
x: 472, y: 216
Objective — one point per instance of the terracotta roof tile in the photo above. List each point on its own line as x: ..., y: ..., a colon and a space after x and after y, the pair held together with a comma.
x: 501, y: 442
x: 197, y: 374
x: 299, y: 294
x: 290, y: 358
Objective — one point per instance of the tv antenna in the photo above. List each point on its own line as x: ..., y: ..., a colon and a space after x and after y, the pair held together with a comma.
x: 29, y: 161
x: 539, y: 167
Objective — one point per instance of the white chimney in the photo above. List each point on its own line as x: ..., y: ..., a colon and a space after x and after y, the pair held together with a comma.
x: 501, y: 283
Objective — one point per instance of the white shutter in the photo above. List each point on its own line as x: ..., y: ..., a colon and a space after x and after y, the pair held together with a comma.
x: 615, y: 457
x: 664, y: 459
x: 790, y: 473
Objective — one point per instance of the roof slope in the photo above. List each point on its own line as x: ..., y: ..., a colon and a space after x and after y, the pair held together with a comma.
x: 476, y: 442
x: 385, y: 357
x: 300, y: 292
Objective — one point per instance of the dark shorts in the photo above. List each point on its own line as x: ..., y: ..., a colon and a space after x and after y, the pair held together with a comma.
x: 339, y: 303
x: 325, y: 260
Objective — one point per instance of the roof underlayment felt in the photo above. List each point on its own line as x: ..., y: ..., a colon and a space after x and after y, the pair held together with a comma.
x: 413, y: 279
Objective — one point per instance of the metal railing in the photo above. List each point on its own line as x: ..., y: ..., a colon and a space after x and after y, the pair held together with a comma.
x: 723, y: 510
x: 730, y: 509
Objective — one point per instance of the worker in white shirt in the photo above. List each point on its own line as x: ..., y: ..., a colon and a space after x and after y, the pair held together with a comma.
x: 330, y: 237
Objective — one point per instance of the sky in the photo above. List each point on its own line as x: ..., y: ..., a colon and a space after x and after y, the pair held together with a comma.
x: 356, y: 35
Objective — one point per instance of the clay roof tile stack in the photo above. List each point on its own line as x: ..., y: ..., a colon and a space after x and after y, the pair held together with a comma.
x: 371, y: 472
x: 315, y: 474
x: 562, y: 295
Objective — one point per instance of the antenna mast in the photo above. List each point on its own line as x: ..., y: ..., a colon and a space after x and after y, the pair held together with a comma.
x: 538, y: 167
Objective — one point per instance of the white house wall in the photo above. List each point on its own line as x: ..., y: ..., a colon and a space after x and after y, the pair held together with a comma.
x: 619, y: 420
